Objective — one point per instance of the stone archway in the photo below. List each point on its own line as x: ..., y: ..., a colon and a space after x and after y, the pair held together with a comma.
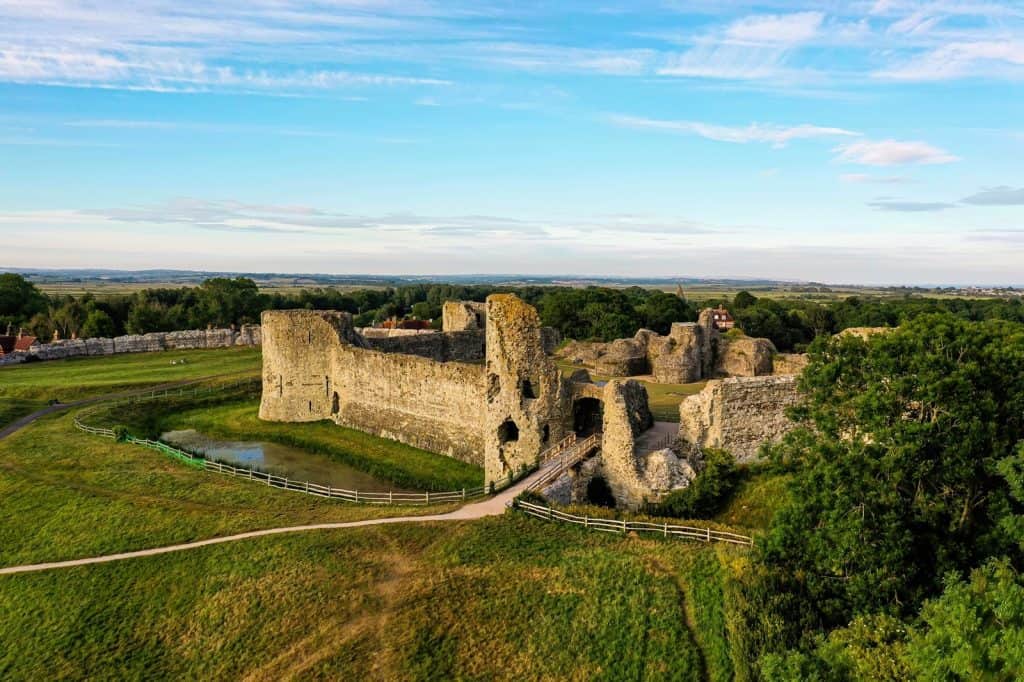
x: 587, y: 414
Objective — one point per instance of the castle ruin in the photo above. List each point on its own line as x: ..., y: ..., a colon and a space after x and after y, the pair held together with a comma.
x: 485, y: 390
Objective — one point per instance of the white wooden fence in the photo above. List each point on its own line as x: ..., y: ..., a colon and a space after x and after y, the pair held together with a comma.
x: 623, y: 526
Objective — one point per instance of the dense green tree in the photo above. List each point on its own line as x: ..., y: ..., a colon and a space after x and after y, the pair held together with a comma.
x: 97, y: 324
x: 706, y: 495
x: 20, y: 301
x: 896, y: 477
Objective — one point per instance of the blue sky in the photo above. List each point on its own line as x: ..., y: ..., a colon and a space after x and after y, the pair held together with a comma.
x: 861, y: 142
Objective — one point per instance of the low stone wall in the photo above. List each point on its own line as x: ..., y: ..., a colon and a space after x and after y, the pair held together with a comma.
x: 247, y: 335
x: 738, y: 414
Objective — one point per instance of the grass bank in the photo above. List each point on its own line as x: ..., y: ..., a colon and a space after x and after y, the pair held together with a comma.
x: 13, y: 409
x: 507, y: 598
x: 237, y: 419
x: 67, y: 495
x: 77, y: 378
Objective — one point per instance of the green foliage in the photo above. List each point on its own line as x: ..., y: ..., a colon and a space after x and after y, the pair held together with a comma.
x: 708, y: 493
x: 975, y: 629
x: 20, y: 300
x: 121, y: 433
x: 97, y: 323
x: 896, y: 478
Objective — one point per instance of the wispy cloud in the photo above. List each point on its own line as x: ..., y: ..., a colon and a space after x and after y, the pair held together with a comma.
x: 776, y: 135
x: 892, y: 153
x: 909, y: 206
x: 998, y: 59
x: 785, y: 29
x: 997, y: 196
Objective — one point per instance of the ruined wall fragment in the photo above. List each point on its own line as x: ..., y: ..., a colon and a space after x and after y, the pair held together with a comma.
x: 738, y: 414
x: 460, y: 316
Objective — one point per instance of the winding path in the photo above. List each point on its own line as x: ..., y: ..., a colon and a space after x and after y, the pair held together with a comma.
x: 493, y: 506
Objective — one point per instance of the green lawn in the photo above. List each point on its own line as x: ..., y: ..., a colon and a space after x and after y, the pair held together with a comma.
x: 759, y: 494
x: 13, y: 409
x: 507, y: 598
x: 66, y: 494
x: 78, y: 378
x: 663, y: 399
x: 401, y: 464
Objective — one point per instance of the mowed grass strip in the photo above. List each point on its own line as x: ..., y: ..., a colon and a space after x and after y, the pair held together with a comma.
x: 13, y: 409
x: 507, y: 598
x: 68, y: 495
x: 77, y: 378
x: 401, y: 464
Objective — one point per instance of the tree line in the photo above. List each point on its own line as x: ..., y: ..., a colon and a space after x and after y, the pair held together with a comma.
x: 591, y: 313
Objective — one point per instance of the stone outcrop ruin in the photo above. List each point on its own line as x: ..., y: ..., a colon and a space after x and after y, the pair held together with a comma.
x: 738, y: 414
x: 692, y: 351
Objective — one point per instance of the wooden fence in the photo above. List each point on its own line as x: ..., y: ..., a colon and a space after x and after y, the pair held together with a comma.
x: 623, y: 526
x: 272, y: 480
x: 565, y: 457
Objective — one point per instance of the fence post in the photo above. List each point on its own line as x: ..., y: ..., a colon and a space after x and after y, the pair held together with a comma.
x: 427, y: 497
x: 708, y: 529
x: 586, y: 521
x: 463, y: 493
x: 328, y: 490
x: 357, y: 496
x: 623, y: 526
x: 666, y: 529
x: 391, y: 497
x: 549, y: 512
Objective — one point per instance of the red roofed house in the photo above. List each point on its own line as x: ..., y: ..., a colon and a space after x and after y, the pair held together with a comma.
x: 723, y: 320
x: 21, y: 342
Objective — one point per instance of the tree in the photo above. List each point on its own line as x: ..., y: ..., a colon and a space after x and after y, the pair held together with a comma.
x: 896, y: 471
x: 743, y: 299
x: 97, y: 324
x: 975, y: 630
x: 20, y: 300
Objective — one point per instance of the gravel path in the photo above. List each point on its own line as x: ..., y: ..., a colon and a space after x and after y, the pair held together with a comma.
x: 492, y: 506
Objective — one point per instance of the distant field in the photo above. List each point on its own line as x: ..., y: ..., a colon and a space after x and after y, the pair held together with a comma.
x: 76, y: 378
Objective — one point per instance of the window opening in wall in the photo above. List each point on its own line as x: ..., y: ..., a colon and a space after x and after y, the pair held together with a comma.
x: 528, y: 391
x: 310, y: 405
x: 508, y: 432
x: 586, y: 416
x: 545, y: 435
x: 335, y: 403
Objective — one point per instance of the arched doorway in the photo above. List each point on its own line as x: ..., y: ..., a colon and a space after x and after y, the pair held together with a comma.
x: 587, y: 414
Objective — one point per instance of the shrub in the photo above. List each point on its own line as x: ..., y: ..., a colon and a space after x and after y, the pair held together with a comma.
x: 706, y: 494
x: 120, y: 433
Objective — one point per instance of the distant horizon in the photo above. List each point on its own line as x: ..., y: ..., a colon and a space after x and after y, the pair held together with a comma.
x: 876, y: 141
x: 482, y: 277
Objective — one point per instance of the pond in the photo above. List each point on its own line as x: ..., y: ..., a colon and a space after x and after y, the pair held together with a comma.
x: 280, y: 460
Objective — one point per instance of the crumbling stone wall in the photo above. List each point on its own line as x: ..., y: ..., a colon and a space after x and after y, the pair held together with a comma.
x: 460, y: 346
x: 460, y: 316
x: 626, y: 416
x: 738, y: 414
x: 692, y: 351
x: 528, y: 404
x: 789, y: 363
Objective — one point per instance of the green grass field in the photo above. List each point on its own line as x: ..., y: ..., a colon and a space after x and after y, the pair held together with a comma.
x: 77, y: 378
x: 67, y: 494
x: 508, y: 598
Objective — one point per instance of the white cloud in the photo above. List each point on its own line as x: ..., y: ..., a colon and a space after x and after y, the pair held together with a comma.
x: 776, y: 135
x: 989, y: 59
x: 892, y: 153
x: 909, y: 206
x: 784, y: 29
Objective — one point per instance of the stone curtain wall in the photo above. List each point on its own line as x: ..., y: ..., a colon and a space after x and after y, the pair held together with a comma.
x: 738, y: 414
x: 247, y: 335
x: 461, y: 346
x: 436, y: 406
x: 316, y: 366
